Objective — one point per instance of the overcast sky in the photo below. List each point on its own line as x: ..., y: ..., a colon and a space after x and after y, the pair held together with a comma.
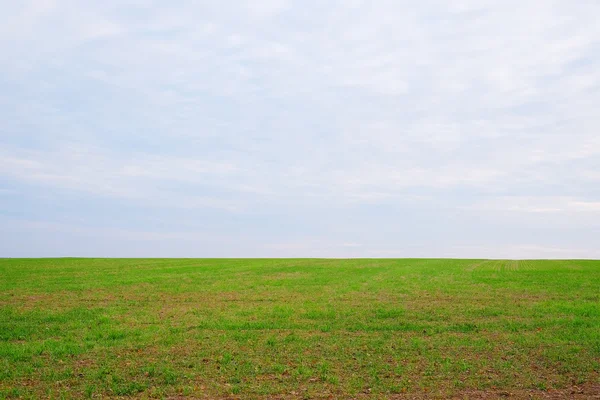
x: 300, y: 128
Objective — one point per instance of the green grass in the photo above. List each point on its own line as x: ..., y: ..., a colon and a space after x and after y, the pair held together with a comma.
x: 297, y: 328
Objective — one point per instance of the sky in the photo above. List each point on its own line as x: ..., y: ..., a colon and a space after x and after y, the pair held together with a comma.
x: 274, y: 128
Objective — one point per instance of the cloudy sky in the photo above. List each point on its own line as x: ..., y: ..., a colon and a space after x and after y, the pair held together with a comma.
x: 300, y: 128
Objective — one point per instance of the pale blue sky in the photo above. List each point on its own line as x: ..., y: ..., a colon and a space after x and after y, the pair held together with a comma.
x: 300, y: 128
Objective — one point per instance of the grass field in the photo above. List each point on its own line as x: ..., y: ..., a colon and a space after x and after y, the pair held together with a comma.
x: 298, y: 328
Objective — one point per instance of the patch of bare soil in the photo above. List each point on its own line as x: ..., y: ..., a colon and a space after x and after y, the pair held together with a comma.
x: 585, y: 391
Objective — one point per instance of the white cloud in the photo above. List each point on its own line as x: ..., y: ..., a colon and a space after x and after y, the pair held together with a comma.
x: 524, y: 252
x: 548, y: 204
x: 135, y: 178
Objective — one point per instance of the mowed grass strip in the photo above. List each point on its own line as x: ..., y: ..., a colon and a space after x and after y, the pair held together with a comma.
x: 295, y: 328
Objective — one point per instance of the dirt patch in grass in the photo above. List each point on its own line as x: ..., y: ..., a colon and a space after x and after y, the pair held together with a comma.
x: 580, y: 392
x: 584, y: 391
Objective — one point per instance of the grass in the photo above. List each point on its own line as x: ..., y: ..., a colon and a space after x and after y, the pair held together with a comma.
x: 295, y: 328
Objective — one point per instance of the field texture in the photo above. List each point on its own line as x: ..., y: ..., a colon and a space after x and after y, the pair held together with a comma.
x: 299, y: 328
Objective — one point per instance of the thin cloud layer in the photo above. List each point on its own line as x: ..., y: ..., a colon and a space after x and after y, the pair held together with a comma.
x: 286, y: 128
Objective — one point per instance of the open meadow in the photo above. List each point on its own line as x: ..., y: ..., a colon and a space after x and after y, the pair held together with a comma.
x: 299, y: 328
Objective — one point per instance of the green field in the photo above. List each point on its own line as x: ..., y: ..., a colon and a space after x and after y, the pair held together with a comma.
x: 298, y: 328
